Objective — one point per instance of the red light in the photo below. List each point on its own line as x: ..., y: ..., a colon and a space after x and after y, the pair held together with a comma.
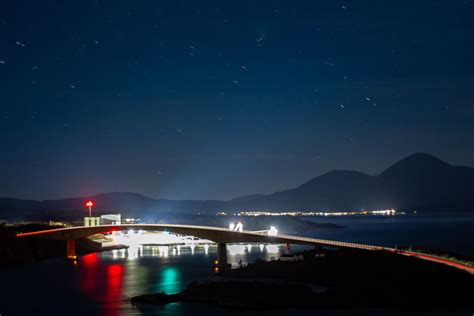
x: 90, y: 260
x: 89, y: 204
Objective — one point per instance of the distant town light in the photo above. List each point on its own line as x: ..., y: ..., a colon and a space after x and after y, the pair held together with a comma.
x: 390, y: 212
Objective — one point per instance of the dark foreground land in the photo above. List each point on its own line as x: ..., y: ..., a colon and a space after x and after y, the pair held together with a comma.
x: 349, y: 278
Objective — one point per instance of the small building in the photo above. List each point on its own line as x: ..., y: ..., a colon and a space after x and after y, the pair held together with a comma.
x: 111, y: 219
x: 91, y: 221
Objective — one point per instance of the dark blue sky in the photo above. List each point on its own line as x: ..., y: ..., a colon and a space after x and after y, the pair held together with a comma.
x: 216, y: 99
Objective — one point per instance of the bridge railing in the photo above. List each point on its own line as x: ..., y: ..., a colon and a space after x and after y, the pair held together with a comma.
x: 281, y: 237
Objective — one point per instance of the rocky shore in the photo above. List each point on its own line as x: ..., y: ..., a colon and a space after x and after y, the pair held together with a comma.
x: 351, y: 278
x: 238, y: 295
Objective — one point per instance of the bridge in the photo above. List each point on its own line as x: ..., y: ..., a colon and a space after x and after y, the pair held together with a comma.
x: 221, y: 236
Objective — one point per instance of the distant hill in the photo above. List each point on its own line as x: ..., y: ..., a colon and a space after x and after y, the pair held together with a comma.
x: 424, y: 182
x: 419, y: 182
x: 132, y: 204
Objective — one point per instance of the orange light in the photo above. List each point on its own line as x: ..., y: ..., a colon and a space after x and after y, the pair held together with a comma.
x: 216, y: 269
x: 89, y: 203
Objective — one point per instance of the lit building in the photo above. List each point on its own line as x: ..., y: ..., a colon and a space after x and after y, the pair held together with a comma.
x: 91, y: 221
x: 111, y: 219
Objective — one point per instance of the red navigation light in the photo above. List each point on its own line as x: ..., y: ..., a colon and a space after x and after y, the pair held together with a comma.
x: 89, y: 204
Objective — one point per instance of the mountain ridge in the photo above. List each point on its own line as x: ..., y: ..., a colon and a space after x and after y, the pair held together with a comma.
x: 420, y: 182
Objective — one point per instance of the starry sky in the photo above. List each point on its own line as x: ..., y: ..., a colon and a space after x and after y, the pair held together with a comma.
x: 217, y: 99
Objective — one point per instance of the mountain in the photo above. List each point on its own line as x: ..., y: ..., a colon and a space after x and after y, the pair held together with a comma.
x: 424, y: 182
x: 331, y: 191
x: 419, y: 182
x: 131, y: 204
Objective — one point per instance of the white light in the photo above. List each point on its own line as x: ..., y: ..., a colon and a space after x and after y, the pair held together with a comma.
x: 206, y: 249
x: 236, y: 249
x: 134, y: 251
x: 272, y: 248
x: 231, y: 226
x: 273, y: 231
x: 239, y: 227
x: 164, y: 250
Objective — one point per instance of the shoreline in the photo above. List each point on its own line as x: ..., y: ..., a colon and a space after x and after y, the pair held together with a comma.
x: 345, y: 279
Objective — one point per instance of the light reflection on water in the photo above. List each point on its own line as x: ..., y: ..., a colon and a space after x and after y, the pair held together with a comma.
x: 103, y: 283
x: 445, y: 232
x: 169, y: 280
x: 111, y: 278
x: 134, y: 252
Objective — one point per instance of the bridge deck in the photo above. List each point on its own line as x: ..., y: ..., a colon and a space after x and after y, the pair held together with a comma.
x: 224, y: 235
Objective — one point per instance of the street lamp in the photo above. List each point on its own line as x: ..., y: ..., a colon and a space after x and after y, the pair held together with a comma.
x: 90, y: 204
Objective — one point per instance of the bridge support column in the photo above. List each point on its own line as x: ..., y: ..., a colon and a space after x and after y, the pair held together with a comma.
x: 222, y: 255
x: 71, y: 249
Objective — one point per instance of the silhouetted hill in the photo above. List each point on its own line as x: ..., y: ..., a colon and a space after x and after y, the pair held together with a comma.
x: 132, y: 204
x: 424, y: 182
x: 419, y: 182
x: 116, y: 201
x: 333, y: 190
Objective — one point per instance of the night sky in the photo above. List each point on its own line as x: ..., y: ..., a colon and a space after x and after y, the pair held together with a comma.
x: 216, y: 99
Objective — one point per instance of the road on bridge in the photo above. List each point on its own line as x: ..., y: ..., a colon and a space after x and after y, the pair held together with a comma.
x: 222, y: 236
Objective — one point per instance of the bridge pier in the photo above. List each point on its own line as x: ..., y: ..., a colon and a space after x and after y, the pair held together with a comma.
x: 71, y: 249
x: 222, y: 255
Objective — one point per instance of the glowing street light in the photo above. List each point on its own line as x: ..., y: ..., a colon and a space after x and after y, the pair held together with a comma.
x: 90, y: 204
x: 236, y: 228
x: 273, y: 231
x: 239, y: 227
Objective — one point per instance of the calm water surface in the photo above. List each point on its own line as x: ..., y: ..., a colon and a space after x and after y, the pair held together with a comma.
x: 103, y: 283
x: 454, y: 233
